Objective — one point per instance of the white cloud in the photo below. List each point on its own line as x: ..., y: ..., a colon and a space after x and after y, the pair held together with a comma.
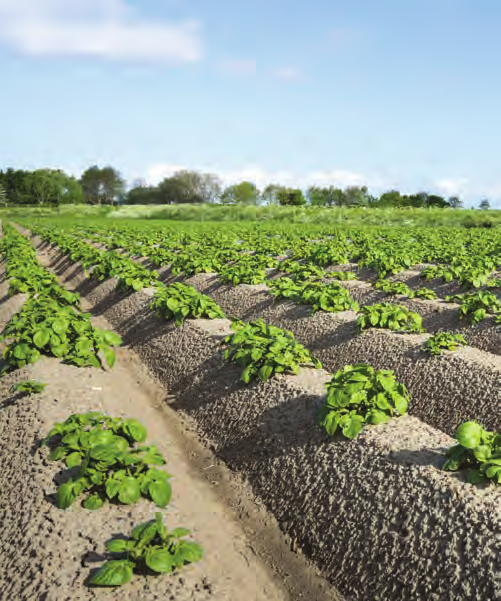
x: 95, y: 28
x: 453, y: 186
x: 287, y: 74
x: 262, y: 177
x: 239, y: 67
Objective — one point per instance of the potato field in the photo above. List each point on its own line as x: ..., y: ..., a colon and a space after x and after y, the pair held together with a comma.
x: 339, y: 387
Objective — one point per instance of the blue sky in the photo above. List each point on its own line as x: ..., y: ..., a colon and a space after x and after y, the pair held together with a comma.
x: 390, y: 93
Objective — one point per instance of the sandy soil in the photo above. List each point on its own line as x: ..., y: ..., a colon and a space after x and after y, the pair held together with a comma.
x: 49, y: 554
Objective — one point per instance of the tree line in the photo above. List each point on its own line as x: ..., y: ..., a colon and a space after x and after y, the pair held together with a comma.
x: 106, y: 186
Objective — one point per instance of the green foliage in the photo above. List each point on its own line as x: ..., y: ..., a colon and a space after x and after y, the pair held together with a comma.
x: 42, y: 326
x: 441, y: 341
x: 387, y: 315
x: 475, y: 306
x: 110, y: 464
x: 423, y: 293
x: 150, y: 546
x: 244, y: 273
x: 392, y: 288
x: 358, y: 395
x: 290, y: 197
x: 302, y: 271
x: 263, y: 350
x: 326, y: 297
x: 29, y: 387
x: 180, y: 302
x: 341, y: 275
x: 478, y: 450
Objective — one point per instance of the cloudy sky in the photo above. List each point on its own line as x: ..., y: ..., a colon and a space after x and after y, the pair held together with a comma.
x: 390, y: 93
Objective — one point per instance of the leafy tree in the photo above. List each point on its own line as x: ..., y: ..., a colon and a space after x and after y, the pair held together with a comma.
x: 3, y: 196
x: 244, y: 193
x: 484, y: 205
x: 437, y: 201
x: 102, y: 185
x: 144, y: 195
x: 291, y: 197
x: 356, y: 196
x: 190, y: 187
x: 392, y: 198
x: 325, y: 197
x: 269, y: 194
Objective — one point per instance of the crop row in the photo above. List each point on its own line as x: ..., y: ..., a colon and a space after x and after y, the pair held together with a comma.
x: 102, y: 453
x: 250, y: 264
x: 465, y: 257
x: 357, y: 395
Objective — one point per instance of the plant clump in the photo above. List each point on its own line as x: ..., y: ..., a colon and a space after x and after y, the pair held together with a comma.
x: 477, y: 450
x: 150, y: 546
x: 389, y: 316
x: 358, y: 395
x: 263, y: 350
x: 444, y: 341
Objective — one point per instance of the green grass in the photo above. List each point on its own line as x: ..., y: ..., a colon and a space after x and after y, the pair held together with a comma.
x: 406, y: 217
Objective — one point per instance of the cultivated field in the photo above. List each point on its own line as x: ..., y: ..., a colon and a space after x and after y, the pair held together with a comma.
x: 339, y: 387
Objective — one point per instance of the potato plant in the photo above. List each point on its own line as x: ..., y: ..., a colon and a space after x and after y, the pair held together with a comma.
x: 444, y: 341
x: 29, y: 387
x: 330, y: 297
x: 392, y: 288
x: 358, y: 395
x: 387, y: 315
x: 42, y: 326
x: 477, y: 450
x: 110, y: 463
x: 263, y: 350
x: 150, y: 546
x: 180, y: 302
x: 475, y: 306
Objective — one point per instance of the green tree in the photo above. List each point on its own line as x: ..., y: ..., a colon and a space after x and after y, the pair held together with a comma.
x: 356, y: 196
x: 269, y: 195
x: 291, y: 197
x: 3, y: 196
x: 244, y: 193
x: 484, y: 205
x: 325, y: 197
x: 102, y: 185
x: 190, y: 187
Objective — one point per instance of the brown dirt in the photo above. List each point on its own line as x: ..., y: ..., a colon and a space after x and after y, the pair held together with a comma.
x: 377, y: 514
x: 49, y: 554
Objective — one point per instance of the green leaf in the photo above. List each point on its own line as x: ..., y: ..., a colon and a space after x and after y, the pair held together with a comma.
x: 180, y: 532
x: 118, y: 545
x: 112, y: 487
x: 188, y: 552
x: 331, y: 423
x: 265, y: 372
x: 160, y: 560
x: 112, y: 338
x: 135, y: 430
x: 60, y: 326
x: 160, y: 492
x: 73, y: 459
x: 400, y: 403
x: 94, y: 501
x: 353, y: 426
x: 109, y: 355
x: 41, y: 338
x: 57, y: 454
x: 469, y: 434
x: 129, y: 491
x: 113, y: 573
x: 65, y: 495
